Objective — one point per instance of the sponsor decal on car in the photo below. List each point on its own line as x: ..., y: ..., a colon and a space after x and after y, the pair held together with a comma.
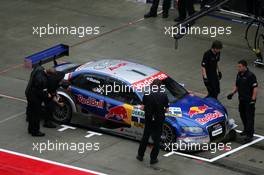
x: 117, y: 66
x: 93, y: 80
x: 118, y: 111
x: 195, y: 110
x: 146, y: 82
x: 174, y: 112
x: 209, y: 117
x: 90, y: 101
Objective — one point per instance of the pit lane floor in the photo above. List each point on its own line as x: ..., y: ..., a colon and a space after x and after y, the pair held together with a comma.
x: 123, y: 34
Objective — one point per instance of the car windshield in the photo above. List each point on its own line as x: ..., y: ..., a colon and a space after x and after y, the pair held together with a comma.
x: 173, y: 90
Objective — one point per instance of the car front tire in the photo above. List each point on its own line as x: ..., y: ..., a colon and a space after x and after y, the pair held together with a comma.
x: 63, y: 114
x: 168, y: 136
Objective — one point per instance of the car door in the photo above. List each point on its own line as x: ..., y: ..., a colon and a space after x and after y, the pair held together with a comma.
x: 120, y: 101
x: 88, y: 94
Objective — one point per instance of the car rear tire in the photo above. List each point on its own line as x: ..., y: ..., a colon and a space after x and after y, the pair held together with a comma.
x: 63, y: 114
x: 168, y: 136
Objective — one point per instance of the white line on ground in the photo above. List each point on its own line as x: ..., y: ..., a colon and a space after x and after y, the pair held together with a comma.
x: 260, y: 138
x: 13, y: 98
x: 12, y: 117
x: 51, y: 162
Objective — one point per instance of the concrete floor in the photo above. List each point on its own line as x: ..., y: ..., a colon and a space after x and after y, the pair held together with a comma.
x: 125, y: 35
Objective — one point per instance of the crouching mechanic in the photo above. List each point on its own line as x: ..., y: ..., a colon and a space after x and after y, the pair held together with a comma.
x: 246, y: 86
x: 155, y: 105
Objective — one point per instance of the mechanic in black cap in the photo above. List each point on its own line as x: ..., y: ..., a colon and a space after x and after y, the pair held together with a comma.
x: 54, y: 78
x: 153, y: 10
x: 36, y: 92
x: 210, y: 69
x: 246, y: 86
x: 155, y: 105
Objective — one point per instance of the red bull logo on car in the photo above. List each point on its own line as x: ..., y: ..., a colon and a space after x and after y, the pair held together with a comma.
x: 195, y: 110
x: 209, y: 117
x: 118, y: 112
x: 90, y: 101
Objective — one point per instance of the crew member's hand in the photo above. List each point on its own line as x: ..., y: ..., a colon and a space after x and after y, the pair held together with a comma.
x: 61, y: 104
x: 253, y: 101
x: 49, y: 95
x: 230, y: 96
x: 220, y: 75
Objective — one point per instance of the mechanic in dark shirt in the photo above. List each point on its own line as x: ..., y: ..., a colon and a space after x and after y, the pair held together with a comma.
x: 155, y: 105
x: 36, y: 92
x: 153, y: 10
x: 246, y: 86
x: 210, y: 69
x: 54, y: 78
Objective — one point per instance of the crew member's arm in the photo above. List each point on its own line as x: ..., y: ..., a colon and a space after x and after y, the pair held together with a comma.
x: 255, y: 91
x: 254, y: 85
x: 41, y: 85
x: 142, y: 107
x: 219, y: 73
x: 235, y: 89
x: 204, y: 73
x: 166, y: 104
x: 204, y: 64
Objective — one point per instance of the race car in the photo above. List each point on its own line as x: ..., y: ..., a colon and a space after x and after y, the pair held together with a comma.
x: 111, y: 91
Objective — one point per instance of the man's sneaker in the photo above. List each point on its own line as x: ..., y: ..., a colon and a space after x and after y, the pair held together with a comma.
x: 150, y: 15
x: 38, y: 134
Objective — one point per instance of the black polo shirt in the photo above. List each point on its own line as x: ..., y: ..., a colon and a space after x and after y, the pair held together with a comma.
x: 245, y: 83
x: 154, y: 106
x: 209, y: 62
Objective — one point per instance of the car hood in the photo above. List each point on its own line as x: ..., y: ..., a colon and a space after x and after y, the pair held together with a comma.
x: 193, y: 111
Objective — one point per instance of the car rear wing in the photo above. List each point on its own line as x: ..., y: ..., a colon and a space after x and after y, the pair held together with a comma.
x: 46, y: 56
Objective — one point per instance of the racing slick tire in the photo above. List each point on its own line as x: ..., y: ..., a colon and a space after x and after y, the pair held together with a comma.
x: 63, y: 114
x: 168, y: 136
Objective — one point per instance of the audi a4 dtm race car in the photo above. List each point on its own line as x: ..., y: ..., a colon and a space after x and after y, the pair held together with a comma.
x: 95, y: 91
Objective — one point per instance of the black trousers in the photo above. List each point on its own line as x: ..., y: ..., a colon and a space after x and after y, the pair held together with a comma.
x: 153, y: 129
x: 165, y: 6
x: 33, y: 115
x: 49, y: 108
x: 213, y: 88
x: 247, y: 114
x: 185, y: 6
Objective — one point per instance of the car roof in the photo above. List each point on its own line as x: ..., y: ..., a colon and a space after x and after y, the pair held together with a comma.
x: 128, y: 71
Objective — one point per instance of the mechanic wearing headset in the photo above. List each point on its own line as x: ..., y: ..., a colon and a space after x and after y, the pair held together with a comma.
x: 246, y: 86
x: 155, y: 105
x: 210, y: 69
